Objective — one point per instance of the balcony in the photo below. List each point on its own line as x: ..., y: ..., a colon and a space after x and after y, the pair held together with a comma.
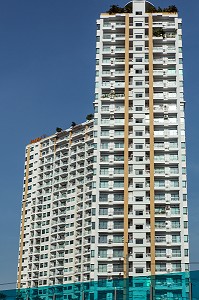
x: 160, y: 239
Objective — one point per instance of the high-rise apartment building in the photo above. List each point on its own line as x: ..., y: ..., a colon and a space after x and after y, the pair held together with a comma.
x: 108, y: 198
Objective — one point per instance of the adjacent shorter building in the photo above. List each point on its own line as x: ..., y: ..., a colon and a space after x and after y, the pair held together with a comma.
x: 57, y: 208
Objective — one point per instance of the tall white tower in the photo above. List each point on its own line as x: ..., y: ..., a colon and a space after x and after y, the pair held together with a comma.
x: 139, y: 135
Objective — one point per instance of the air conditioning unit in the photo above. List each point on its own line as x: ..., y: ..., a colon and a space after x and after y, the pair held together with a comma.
x: 110, y: 241
x: 168, y: 255
x: 166, y: 116
x: 167, y: 207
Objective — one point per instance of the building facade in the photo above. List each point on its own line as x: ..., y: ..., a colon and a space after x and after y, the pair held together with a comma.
x: 107, y: 199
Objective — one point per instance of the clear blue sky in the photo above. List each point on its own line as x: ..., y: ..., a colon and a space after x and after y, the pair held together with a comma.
x: 47, y: 67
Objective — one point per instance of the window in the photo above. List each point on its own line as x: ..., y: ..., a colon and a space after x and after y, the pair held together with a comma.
x: 139, y: 108
x: 138, y: 59
x: 138, y: 36
x: 103, y: 184
x: 184, y: 184
x: 102, y: 253
x: 138, y: 146
x: 185, y: 224
x: 118, y: 157
x: 138, y: 71
x: 139, y: 185
x: 174, y: 183
x: 138, y: 255
x: 118, y: 225
x: 138, y: 83
x: 103, y: 239
x: 104, y: 171
x: 138, y: 24
x: 103, y: 224
x: 139, y: 212
x: 139, y: 241
x: 104, y: 145
x: 119, y: 132
x: 176, y: 238
x: 104, y: 158
x: 185, y: 212
x: 183, y: 170
x: 186, y: 252
x: 118, y: 197
x: 159, y: 157
x: 138, y: 13
x: 103, y: 211
x: 118, y: 183
x: 138, y: 133
x: 118, y: 211
x: 160, y: 252
x: 138, y: 199
x: 118, y: 170
x: 119, y: 145
x: 160, y: 267
x: 174, y: 170
x: 138, y: 95
x: 138, y: 172
x: 174, y: 196
x: 159, y: 170
x: 139, y: 158
x: 138, y: 121
x: 105, y: 133
x: 118, y: 239
x: 103, y: 197
x: 138, y: 227
x: 139, y: 270
x: 117, y: 253
x: 186, y: 267
x: 175, y: 210
x: 102, y: 268
x: 175, y: 224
